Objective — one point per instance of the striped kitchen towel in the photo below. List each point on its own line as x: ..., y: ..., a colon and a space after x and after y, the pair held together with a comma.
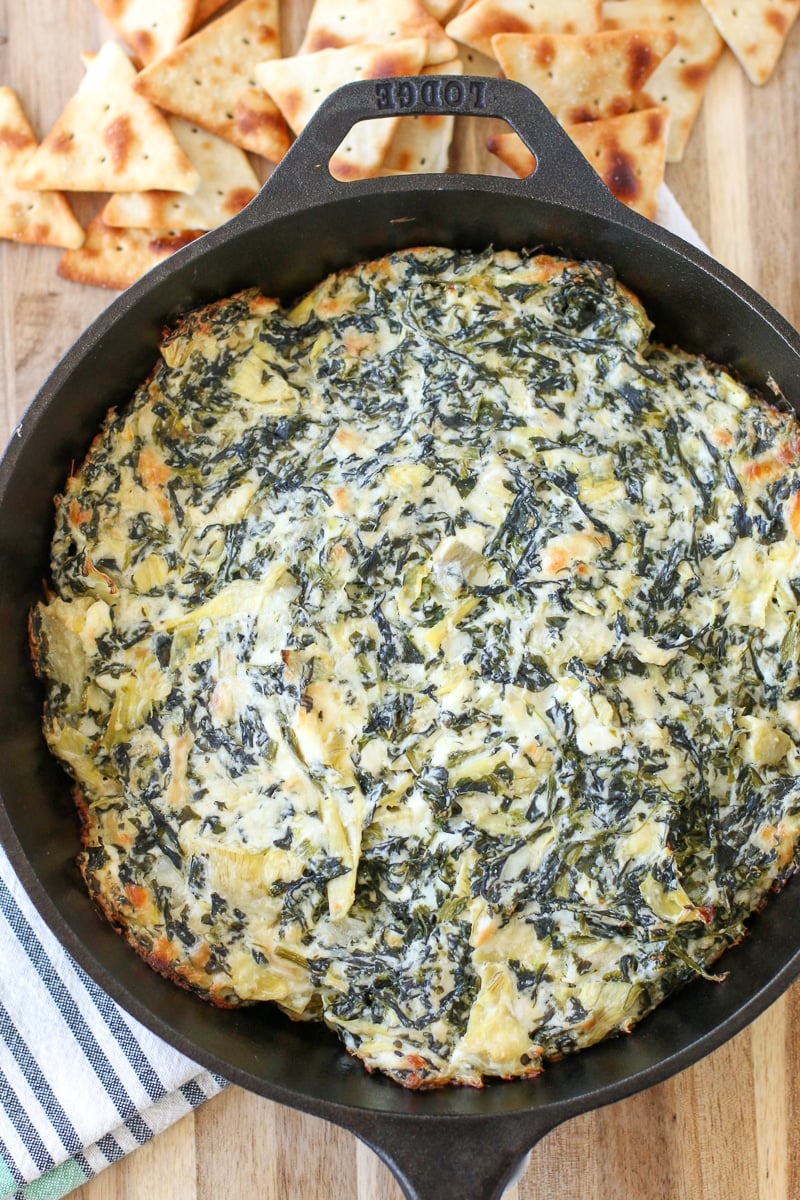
x: 81, y: 1082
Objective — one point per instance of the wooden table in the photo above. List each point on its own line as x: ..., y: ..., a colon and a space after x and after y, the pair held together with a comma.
x: 726, y: 1129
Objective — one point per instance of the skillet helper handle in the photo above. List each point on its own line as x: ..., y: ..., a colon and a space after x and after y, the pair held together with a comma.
x: 440, y: 1158
x: 562, y: 175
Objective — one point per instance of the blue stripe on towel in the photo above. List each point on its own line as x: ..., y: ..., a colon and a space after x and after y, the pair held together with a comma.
x: 123, y: 1036
x: 28, y: 1134
x: 115, y: 1089
x: 38, y: 1083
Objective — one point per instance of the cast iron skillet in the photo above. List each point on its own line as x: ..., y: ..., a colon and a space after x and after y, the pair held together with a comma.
x: 453, y: 1144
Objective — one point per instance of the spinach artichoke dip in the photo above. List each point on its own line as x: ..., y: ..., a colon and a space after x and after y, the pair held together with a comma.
x: 425, y: 655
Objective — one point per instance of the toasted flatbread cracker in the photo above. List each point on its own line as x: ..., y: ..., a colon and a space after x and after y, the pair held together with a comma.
x: 422, y: 143
x: 336, y: 23
x: 109, y: 139
x: 150, y: 27
x: 38, y: 218
x: 116, y: 258
x: 227, y: 184
x: 210, y: 79
x: 205, y: 11
x: 477, y: 24
x: 511, y: 150
x: 680, y: 80
x: 299, y: 85
x: 581, y: 77
x: 441, y: 10
x: 755, y: 30
x: 628, y: 153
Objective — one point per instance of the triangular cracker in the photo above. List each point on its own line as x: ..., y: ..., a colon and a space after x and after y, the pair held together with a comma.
x: 227, y: 184
x: 477, y: 24
x: 336, y: 23
x: 39, y: 218
x: 116, y: 258
x: 210, y: 79
x: 680, y: 80
x: 108, y: 139
x: 299, y: 85
x: 150, y: 27
x: 510, y: 149
x: 440, y: 10
x: 205, y: 11
x: 628, y: 153
x: 755, y: 30
x: 581, y: 77
x: 422, y: 143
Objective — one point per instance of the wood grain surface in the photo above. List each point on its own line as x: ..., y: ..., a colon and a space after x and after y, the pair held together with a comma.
x: 726, y: 1129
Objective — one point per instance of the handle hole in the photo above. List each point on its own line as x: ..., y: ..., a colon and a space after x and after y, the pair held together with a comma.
x: 421, y: 144
x: 509, y: 156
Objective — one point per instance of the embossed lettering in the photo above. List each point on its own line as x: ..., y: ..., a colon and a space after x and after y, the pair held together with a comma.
x: 477, y: 90
x: 406, y: 94
x: 430, y: 92
x: 383, y: 94
x: 454, y: 93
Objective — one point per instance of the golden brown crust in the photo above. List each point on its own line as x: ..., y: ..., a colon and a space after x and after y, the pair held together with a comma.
x: 160, y: 953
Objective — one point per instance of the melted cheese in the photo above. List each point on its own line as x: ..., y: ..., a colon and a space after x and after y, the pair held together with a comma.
x: 426, y: 657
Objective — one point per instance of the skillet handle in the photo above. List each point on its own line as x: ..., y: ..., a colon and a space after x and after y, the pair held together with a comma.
x: 562, y: 174
x: 443, y: 1158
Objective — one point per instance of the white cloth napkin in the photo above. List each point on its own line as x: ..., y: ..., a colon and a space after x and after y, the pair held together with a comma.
x: 670, y: 214
x: 82, y: 1083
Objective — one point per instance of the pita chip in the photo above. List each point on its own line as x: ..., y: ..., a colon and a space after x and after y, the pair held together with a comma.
x: 511, y: 150
x: 336, y: 23
x: 39, y: 218
x: 477, y: 24
x: 680, y: 80
x: 440, y: 10
x: 299, y: 85
x: 422, y: 143
x: 108, y: 139
x: 210, y: 79
x: 227, y: 184
x: 116, y: 258
x: 628, y: 152
x: 581, y: 77
x: 150, y: 27
x: 205, y: 10
x: 756, y: 31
